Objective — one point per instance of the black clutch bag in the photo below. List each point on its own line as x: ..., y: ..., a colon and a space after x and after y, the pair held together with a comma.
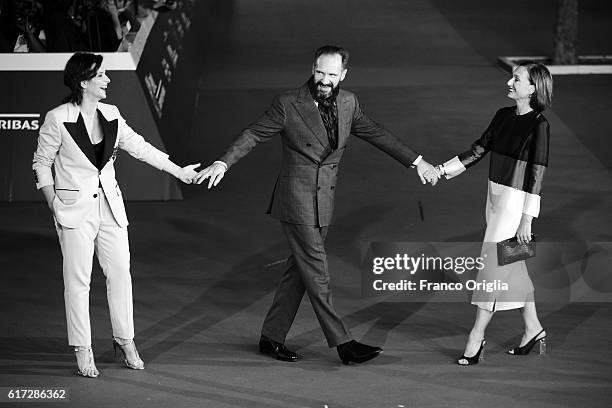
x: 509, y: 250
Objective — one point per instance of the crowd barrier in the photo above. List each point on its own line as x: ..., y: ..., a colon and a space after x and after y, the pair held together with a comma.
x: 154, y: 85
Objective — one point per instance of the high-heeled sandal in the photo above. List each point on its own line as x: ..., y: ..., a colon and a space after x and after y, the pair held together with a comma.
x: 464, y: 360
x: 138, y: 364
x: 89, y: 370
x: 526, y: 349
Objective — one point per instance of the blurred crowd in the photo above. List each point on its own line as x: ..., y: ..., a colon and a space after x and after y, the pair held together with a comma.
x: 73, y: 25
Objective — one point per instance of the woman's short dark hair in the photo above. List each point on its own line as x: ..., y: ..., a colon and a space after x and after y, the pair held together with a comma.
x: 542, y: 80
x: 331, y: 50
x: 82, y: 66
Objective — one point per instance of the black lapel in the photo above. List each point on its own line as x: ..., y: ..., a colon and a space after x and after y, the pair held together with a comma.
x: 311, y: 116
x: 109, y: 129
x: 78, y: 131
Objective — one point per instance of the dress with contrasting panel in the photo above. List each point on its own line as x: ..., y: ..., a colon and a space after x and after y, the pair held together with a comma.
x: 519, y: 157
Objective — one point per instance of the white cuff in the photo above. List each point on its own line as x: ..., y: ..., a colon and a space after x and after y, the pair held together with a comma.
x: 224, y: 164
x: 41, y: 185
x: 453, y: 168
x: 157, y: 159
x: 417, y: 161
x: 171, y: 168
x: 532, y: 205
x: 43, y: 178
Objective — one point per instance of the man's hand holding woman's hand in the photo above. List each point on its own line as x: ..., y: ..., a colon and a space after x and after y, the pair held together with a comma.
x: 427, y: 173
x: 187, y: 174
x: 215, y: 172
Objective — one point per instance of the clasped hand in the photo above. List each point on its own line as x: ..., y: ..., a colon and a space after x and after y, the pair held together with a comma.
x: 214, y: 173
x: 186, y: 174
x: 427, y: 173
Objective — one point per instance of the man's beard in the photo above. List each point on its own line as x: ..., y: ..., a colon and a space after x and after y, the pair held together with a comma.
x: 324, y: 95
x: 323, y: 91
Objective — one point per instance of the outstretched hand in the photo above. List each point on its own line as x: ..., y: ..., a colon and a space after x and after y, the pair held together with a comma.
x: 188, y: 173
x: 214, y: 172
x: 427, y: 173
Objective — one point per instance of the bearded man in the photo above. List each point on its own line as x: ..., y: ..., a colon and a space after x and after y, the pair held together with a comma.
x: 314, y: 123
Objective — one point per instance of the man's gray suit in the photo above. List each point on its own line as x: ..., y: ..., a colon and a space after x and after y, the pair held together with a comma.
x: 303, y: 197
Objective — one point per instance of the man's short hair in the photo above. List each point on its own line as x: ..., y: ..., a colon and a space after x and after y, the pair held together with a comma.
x: 331, y: 50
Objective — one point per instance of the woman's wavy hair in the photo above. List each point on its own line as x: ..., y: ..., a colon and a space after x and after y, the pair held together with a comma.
x: 541, y: 79
x: 82, y: 66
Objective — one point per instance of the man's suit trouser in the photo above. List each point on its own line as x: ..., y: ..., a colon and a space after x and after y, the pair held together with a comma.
x: 306, y: 272
x: 100, y: 233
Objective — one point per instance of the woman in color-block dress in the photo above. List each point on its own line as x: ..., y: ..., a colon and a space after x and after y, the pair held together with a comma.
x: 517, y: 139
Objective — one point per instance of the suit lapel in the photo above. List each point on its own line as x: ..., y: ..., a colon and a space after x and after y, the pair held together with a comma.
x: 310, y: 114
x: 109, y: 129
x: 79, y: 134
x: 344, y: 119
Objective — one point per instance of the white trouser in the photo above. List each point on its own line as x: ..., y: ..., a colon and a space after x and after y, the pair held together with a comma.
x: 99, y: 232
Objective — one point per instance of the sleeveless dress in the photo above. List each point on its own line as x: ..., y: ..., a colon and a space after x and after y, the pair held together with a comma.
x: 519, y: 156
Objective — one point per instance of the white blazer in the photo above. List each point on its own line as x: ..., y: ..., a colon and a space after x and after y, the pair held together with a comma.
x: 64, y: 143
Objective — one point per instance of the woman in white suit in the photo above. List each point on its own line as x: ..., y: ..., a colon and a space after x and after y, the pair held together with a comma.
x: 80, y: 139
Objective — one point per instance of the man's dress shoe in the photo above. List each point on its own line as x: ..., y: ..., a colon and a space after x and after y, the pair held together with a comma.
x: 277, y: 350
x: 355, y: 352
